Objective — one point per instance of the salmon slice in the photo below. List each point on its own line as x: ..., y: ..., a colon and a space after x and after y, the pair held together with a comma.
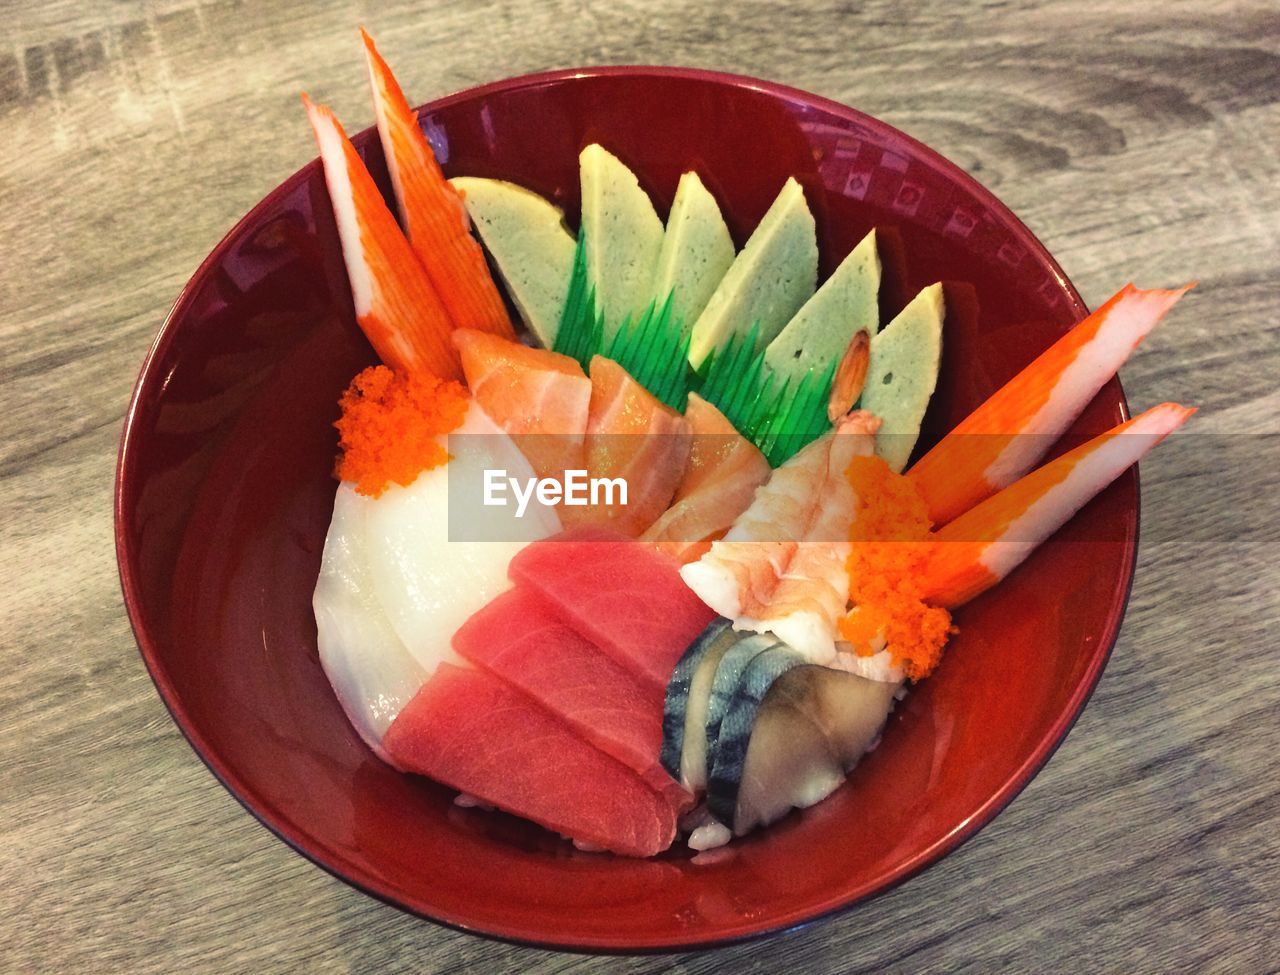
x: 395, y: 303
x: 1008, y: 434
x: 519, y: 638
x: 622, y: 595
x: 781, y: 568
x: 986, y: 543
x: 631, y: 435
x: 541, y: 398
x: 719, y: 483
x: 477, y: 734
x: 435, y: 218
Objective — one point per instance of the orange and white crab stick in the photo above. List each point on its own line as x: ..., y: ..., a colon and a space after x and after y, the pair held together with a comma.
x: 396, y: 305
x: 434, y: 216
x: 1008, y: 434
x: 986, y: 543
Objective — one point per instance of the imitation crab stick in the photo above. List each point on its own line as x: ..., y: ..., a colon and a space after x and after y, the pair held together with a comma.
x: 435, y: 218
x: 985, y: 544
x: 395, y: 304
x: 1006, y: 436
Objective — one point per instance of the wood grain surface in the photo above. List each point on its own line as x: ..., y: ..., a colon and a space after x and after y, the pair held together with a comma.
x: 1138, y: 140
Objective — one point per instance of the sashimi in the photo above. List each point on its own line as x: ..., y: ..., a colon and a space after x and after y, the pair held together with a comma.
x: 435, y: 219
x: 540, y: 397
x: 719, y: 482
x: 1008, y: 434
x: 520, y: 638
x: 632, y: 436
x: 372, y: 673
x: 621, y: 594
x: 475, y: 733
x: 791, y: 734
x: 395, y: 303
x: 431, y: 564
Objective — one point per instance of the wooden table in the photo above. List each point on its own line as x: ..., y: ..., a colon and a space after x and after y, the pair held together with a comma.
x: 1138, y: 140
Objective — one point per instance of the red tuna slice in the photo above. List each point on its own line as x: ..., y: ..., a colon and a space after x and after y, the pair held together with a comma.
x: 521, y: 639
x: 621, y: 594
x: 475, y: 733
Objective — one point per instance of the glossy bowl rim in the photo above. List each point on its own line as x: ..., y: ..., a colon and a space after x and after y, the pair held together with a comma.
x: 352, y: 874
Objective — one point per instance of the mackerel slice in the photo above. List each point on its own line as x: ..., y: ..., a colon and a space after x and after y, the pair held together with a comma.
x: 696, y: 252
x: 684, y: 745
x: 791, y: 734
x: 736, y: 727
x: 902, y: 374
x: 723, y: 684
x: 717, y: 635
x: 789, y: 765
x: 623, y: 236
x: 527, y: 238
x: 821, y: 331
x: 768, y: 282
x: 850, y: 710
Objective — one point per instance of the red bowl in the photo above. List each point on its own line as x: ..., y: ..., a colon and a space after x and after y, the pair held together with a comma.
x: 224, y: 491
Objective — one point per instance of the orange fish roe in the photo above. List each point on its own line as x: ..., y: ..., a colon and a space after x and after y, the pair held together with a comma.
x: 391, y: 426
x: 890, y: 522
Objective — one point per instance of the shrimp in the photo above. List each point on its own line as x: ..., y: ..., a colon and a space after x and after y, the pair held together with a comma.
x: 781, y: 567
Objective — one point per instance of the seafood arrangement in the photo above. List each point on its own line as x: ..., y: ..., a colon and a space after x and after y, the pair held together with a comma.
x: 715, y: 630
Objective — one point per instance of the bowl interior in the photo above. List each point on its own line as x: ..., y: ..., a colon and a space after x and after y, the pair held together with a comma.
x: 224, y: 496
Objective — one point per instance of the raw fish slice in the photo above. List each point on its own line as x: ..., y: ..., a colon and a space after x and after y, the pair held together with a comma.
x: 850, y: 711
x: 750, y: 685
x: 806, y: 729
x: 685, y: 708
x: 1008, y: 434
x: 986, y: 543
x: 520, y: 639
x: 395, y: 303
x: 724, y: 685
x: 719, y: 483
x: 435, y: 219
x: 781, y: 567
x: 791, y: 766
x: 540, y: 397
x: 429, y: 574
x: 477, y: 734
x: 372, y: 673
x: 633, y: 436
x: 619, y: 593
